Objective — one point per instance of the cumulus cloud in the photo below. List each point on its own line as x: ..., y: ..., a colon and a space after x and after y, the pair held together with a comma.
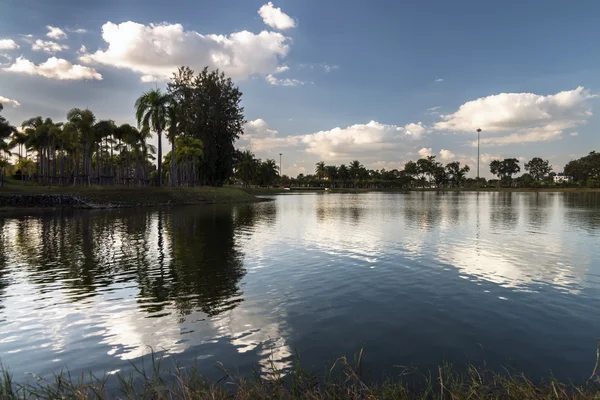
x: 273, y: 143
x: 366, y: 140
x: 446, y: 155
x: 54, y: 68
x: 156, y: 51
x: 415, y: 130
x: 425, y: 152
x: 6, y: 100
x: 275, y: 18
x: 283, y: 81
x: 55, y: 33
x: 48, y: 46
x: 531, y: 117
x: 258, y: 129
x: 8, y: 44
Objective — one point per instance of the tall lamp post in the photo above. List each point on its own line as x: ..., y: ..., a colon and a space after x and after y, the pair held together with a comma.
x: 478, y: 133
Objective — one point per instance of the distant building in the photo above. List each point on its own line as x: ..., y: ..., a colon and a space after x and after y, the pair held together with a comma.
x: 561, y: 178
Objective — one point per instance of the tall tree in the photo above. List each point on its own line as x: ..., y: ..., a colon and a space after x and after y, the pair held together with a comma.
x: 505, y: 169
x: 172, y: 131
x: 538, y: 168
x: 210, y: 110
x: 83, y: 121
x: 246, y: 168
x: 6, y: 130
x: 457, y: 173
x: 320, y: 170
x: 151, y: 111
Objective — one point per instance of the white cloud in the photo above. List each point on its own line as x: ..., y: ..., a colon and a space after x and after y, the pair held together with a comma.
x: 529, y: 116
x: 543, y: 134
x: 425, y: 152
x: 281, y: 69
x: 434, y: 108
x: 574, y: 134
x: 415, y: 130
x: 4, y: 55
x: 80, y: 30
x: 446, y: 155
x: 283, y: 82
x: 48, y: 46
x: 326, y: 67
x: 54, y: 68
x: 8, y: 44
x: 158, y: 50
x: 6, y: 100
x: 274, y: 143
x: 258, y: 129
x: 360, y: 140
x: 275, y: 18
x: 82, y: 49
x: 439, y: 80
x: 55, y: 33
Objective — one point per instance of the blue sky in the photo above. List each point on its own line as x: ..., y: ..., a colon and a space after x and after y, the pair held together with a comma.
x: 383, y: 82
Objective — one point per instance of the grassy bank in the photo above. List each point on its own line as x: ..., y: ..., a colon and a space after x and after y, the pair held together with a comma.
x: 135, y: 196
x: 342, y: 381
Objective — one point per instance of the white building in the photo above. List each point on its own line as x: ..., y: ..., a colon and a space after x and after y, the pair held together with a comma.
x: 560, y: 178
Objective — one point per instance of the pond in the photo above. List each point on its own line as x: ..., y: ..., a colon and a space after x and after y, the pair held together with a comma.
x: 413, y: 278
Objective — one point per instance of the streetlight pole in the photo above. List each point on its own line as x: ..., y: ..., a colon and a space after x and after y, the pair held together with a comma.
x: 478, y: 133
x: 280, y: 170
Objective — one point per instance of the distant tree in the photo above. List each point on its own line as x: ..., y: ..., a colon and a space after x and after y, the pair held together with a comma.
x: 246, y: 168
x: 320, y: 170
x: 268, y: 172
x: 538, y: 168
x: 456, y: 172
x: 6, y: 130
x: 331, y: 172
x: 505, y: 169
x: 355, y: 169
x: 343, y: 174
x: 440, y: 176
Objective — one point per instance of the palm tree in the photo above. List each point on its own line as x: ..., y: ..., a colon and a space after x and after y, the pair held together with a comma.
x: 151, y: 111
x: 343, y: 173
x: 83, y: 121
x: 320, y: 169
x: 246, y: 168
x: 6, y: 130
x: 172, y: 127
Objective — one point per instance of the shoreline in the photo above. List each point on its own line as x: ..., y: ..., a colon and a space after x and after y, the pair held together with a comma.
x: 16, y: 197
x: 258, y: 191
x: 40, y: 197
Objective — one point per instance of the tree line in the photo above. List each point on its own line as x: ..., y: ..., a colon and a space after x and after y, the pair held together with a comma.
x: 200, y: 114
x: 426, y: 172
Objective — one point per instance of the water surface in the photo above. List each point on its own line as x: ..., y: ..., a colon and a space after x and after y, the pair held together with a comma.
x: 512, y: 278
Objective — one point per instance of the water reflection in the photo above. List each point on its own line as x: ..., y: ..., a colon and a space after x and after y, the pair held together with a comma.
x: 414, y: 277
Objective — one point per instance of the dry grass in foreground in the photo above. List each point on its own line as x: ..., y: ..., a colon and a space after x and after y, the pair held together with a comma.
x: 343, y: 381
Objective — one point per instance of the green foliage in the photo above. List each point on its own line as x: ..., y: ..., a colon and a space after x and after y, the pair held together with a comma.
x: 151, y: 112
x: 209, y: 110
x: 585, y: 170
x: 505, y: 169
x: 538, y: 168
